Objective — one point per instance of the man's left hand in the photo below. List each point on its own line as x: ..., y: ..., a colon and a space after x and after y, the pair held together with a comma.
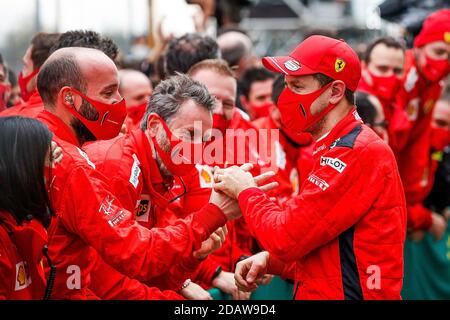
x: 233, y: 180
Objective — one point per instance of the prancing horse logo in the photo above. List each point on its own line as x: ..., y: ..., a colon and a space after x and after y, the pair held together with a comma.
x: 339, y: 65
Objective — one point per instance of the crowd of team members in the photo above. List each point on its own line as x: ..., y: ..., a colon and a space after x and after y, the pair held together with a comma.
x: 121, y: 219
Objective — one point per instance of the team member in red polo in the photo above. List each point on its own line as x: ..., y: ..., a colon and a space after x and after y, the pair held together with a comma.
x: 426, y: 65
x: 381, y: 78
x: 342, y: 236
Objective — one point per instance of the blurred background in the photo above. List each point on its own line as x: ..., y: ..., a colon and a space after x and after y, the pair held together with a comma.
x: 140, y: 27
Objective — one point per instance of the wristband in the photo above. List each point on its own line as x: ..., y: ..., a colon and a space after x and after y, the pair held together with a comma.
x: 186, y: 283
x: 216, y: 273
x: 243, y: 257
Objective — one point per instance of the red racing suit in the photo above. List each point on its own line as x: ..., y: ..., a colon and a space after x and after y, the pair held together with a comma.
x: 30, y: 108
x: 418, y: 97
x: 91, y: 222
x: 342, y: 236
x: 239, y: 146
x: 21, y: 272
x: 136, y: 172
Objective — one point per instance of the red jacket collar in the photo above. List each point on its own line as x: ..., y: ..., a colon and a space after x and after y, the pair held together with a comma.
x: 154, y: 184
x: 58, y: 127
x: 29, y: 237
x: 144, y: 152
x: 343, y: 127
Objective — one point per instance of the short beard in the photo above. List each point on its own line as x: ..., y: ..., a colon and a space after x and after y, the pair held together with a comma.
x: 317, y: 127
x: 161, y: 139
x: 82, y: 132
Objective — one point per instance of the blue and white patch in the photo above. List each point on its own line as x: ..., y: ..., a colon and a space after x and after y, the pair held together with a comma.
x: 135, y: 172
x: 334, y: 163
x: 85, y: 156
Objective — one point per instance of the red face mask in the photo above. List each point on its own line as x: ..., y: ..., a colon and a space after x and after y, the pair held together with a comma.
x: 4, y: 90
x: 23, y: 83
x: 385, y: 87
x: 110, y: 117
x: 183, y: 155
x: 435, y: 70
x: 295, y: 109
x: 220, y: 123
x: 440, y: 138
x: 300, y: 139
x: 260, y: 111
x: 136, y: 113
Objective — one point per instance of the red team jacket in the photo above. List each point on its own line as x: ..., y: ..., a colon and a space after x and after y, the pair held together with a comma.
x: 418, y: 97
x: 345, y: 230
x: 21, y: 272
x: 30, y: 108
x: 136, y: 172
x: 198, y: 185
x: 91, y: 222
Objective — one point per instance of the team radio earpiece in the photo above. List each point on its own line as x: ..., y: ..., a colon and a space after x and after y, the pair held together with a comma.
x: 68, y: 98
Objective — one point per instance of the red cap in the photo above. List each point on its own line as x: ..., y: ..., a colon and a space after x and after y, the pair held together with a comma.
x: 320, y: 54
x: 436, y: 27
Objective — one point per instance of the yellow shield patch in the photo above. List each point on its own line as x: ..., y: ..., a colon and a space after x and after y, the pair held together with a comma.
x: 447, y: 37
x: 339, y: 65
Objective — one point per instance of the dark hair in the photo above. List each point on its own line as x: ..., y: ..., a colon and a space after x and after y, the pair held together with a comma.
x: 55, y: 74
x: 278, y: 87
x: 234, y: 54
x: 41, y: 44
x: 170, y: 94
x: 365, y: 108
x: 12, y: 77
x: 185, y: 51
x: 251, y: 75
x: 1, y: 59
x: 324, y: 80
x: 24, y: 143
x: 446, y: 93
x: 387, y: 41
x: 87, y: 39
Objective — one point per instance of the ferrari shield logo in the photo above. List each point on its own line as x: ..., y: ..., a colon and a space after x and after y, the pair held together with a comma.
x: 447, y: 37
x: 339, y: 65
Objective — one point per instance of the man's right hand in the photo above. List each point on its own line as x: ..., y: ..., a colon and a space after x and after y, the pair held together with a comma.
x: 229, y: 206
x: 251, y: 271
x: 438, y: 226
x: 194, y: 292
x: 214, y: 242
x: 226, y: 283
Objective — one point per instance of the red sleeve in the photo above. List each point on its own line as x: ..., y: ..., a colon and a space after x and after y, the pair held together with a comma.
x: 278, y: 267
x: 177, y: 274
x: 206, y: 271
x: 108, y: 284
x: 323, y: 210
x: 419, y: 217
x: 125, y: 193
x: 90, y: 210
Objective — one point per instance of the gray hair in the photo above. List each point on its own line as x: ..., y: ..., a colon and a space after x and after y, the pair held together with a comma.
x: 170, y: 94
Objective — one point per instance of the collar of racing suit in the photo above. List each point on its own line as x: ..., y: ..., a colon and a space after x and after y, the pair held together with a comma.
x: 58, y: 127
x: 152, y: 178
x: 343, y: 127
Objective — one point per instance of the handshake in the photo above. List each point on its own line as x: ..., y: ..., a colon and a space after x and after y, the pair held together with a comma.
x: 228, y: 184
